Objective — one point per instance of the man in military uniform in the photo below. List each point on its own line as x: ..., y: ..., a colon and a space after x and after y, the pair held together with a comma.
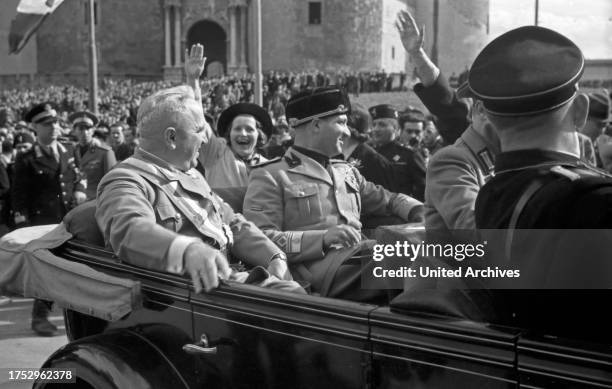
x: 409, y: 165
x: 541, y: 183
x: 46, y: 185
x: 96, y: 158
x: 372, y: 166
x: 156, y: 211
x: 455, y: 173
x: 310, y: 205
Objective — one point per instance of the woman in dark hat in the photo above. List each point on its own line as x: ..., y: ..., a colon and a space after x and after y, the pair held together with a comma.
x: 242, y: 128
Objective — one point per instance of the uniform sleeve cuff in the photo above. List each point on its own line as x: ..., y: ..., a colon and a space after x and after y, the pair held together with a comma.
x: 176, y: 251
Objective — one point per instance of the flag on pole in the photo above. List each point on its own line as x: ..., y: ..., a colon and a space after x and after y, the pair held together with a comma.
x: 30, y: 16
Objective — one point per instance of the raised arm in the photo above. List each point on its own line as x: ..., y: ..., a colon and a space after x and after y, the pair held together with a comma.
x: 433, y: 90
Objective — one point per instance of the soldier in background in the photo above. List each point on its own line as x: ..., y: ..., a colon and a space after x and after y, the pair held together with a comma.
x: 96, y: 159
x: 373, y: 166
x: 409, y: 165
x: 46, y: 185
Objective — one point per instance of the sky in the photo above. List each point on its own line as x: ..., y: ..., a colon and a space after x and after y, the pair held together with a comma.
x: 587, y: 22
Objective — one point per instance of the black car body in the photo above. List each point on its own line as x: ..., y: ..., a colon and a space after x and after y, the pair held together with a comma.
x: 243, y: 336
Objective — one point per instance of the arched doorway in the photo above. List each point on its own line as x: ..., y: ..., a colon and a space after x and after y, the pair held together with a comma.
x: 212, y: 36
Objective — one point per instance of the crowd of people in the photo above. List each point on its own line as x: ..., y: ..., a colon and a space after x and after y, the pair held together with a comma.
x: 119, y: 98
x: 309, y: 168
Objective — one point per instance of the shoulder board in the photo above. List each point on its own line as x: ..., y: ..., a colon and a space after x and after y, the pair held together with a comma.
x: 582, y: 171
x: 335, y: 160
x: 103, y: 147
x: 268, y: 162
x: 564, y: 172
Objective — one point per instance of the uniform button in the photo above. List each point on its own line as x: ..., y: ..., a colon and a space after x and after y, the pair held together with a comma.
x: 301, y: 193
x: 61, y: 176
x: 63, y: 193
x: 178, y: 216
x: 62, y: 184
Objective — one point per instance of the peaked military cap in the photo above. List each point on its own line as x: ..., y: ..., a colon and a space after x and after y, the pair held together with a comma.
x: 383, y: 111
x: 21, y: 124
x: 412, y: 115
x: 83, y: 117
x: 599, y: 105
x: 41, y: 113
x: 228, y: 115
x: 24, y: 137
x: 525, y: 71
x: 316, y: 103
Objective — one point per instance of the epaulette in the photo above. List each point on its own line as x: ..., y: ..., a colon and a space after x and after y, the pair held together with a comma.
x: 266, y: 163
x: 582, y: 171
x: 336, y: 160
x: 565, y: 172
x: 65, y: 140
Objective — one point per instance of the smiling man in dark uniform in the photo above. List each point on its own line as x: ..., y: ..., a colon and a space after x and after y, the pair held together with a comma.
x: 541, y: 183
x: 409, y: 165
x: 96, y: 158
x: 46, y: 185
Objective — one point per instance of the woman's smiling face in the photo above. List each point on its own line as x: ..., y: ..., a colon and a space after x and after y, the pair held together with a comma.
x: 243, y: 135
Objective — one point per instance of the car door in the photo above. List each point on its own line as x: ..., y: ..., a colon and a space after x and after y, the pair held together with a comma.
x: 551, y: 362
x: 270, y: 339
x: 426, y: 351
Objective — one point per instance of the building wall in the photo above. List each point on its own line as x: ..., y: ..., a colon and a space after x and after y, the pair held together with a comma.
x: 122, y: 49
x: 25, y: 61
x: 393, y: 55
x: 353, y: 35
x: 462, y: 33
x: 597, y: 74
x: 348, y: 37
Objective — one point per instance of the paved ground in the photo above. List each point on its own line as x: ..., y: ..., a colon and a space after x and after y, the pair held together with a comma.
x: 20, y: 347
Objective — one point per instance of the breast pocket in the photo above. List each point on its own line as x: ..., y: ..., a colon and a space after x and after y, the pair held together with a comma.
x: 168, y: 217
x: 305, y: 201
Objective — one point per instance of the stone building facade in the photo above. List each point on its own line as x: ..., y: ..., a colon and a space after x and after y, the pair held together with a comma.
x: 146, y: 39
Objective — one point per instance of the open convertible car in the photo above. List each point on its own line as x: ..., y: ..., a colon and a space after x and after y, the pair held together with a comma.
x: 131, y: 327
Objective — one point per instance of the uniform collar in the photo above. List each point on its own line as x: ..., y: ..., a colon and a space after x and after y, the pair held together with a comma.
x: 302, y: 163
x: 143, y: 154
x: 323, y: 160
x: 531, y: 158
x: 190, y: 180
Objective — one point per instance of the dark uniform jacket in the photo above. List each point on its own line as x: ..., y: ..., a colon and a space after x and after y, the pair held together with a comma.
x: 409, y: 168
x: 43, y: 188
x: 96, y: 160
x: 569, y: 203
x: 374, y: 167
x: 441, y: 100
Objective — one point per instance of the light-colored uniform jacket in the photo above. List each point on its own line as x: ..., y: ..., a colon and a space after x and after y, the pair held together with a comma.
x: 455, y: 174
x: 294, y: 200
x: 151, y: 227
